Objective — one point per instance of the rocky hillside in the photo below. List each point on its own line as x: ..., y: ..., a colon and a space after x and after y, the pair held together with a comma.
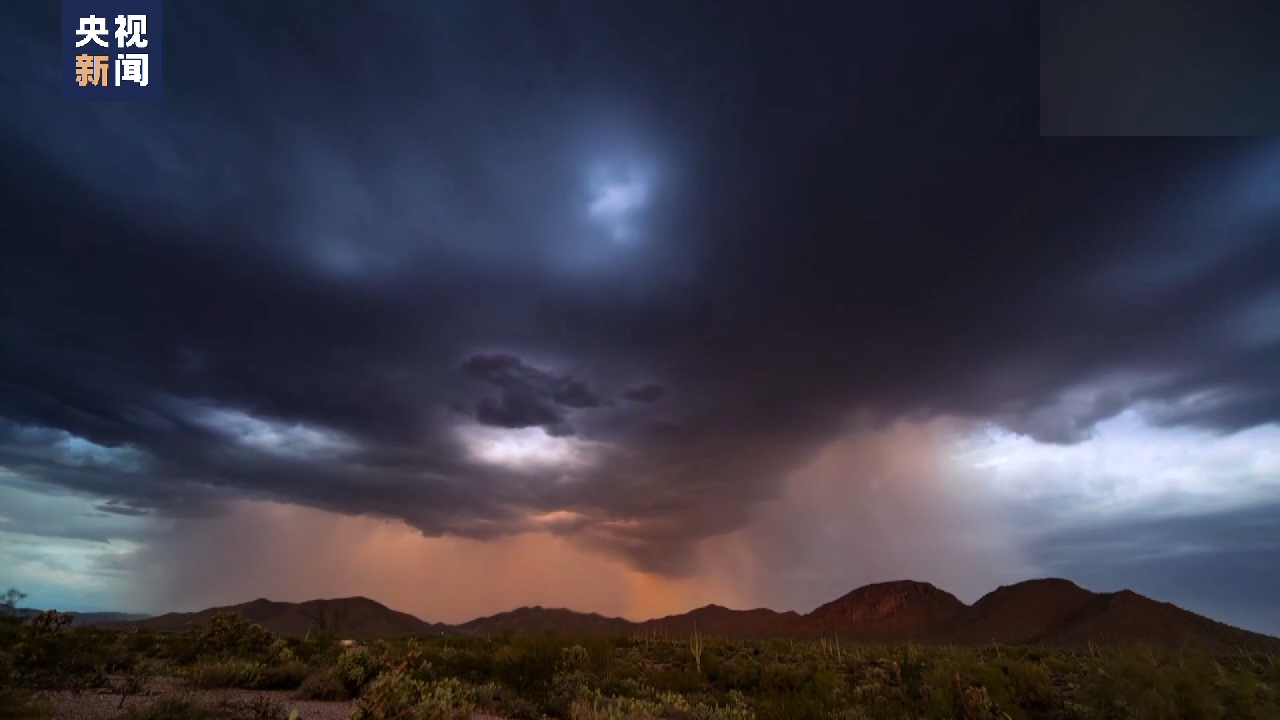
x: 891, y: 611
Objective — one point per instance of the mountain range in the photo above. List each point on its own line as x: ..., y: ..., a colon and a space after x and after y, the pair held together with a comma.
x: 91, y: 618
x: 1045, y: 611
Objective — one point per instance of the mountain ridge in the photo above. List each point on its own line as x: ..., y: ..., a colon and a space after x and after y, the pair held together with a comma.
x: 367, y: 617
x: 89, y: 618
x: 1049, y: 611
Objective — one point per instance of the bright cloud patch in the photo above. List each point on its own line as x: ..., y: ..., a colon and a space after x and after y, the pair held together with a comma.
x: 1130, y: 465
x: 616, y: 197
x: 276, y: 437
x: 71, y: 450
x: 524, y: 448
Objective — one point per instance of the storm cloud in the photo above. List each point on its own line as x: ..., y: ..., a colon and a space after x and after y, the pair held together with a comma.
x: 615, y: 274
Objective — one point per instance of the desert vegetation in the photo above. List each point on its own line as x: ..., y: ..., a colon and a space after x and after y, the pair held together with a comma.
x: 635, y: 676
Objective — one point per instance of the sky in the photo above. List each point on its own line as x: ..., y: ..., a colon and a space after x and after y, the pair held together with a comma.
x: 622, y: 307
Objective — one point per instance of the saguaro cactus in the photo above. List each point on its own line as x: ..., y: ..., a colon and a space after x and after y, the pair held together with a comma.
x: 695, y: 647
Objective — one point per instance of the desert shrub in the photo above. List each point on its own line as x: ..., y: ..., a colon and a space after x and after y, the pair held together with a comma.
x: 526, y: 666
x: 118, y: 657
x: 178, y: 648
x: 514, y: 707
x: 446, y: 699
x: 288, y: 676
x: 357, y: 667
x: 227, y: 635
x: 228, y: 674
x: 391, y: 695
x: 394, y: 694
x: 254, y: 707
x: 45, y: 653
x: 244, y: 673
x: 595, y: 706
x: 17, y: 704
x: 142, y: 642
x: 420, y: 669
x: 739, y: 673
x: 1030, y: 687
x: 281, y: 651
x: 323, y: 684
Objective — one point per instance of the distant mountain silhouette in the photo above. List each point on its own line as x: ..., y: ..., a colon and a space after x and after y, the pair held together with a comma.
x: 1048, y: 611
x: 718, y: 620
x: 89, y: 618
x: 539, y: 620
x: 355, y: 617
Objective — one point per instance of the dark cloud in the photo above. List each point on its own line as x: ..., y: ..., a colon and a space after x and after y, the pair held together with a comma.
x: 530, y: 397
x: 116, y: 508
x: 517, y: 410
x: 287, y: 284
x: 649, y: 393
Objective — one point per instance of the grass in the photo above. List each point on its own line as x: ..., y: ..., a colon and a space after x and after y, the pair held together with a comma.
x: 638, y: 678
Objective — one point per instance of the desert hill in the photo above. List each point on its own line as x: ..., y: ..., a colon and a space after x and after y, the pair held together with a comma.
x: 1053, y: 611
x: 719, y: 620
x: 1047, y: 611
x: 1126, y: 616
x: 538, y: 620
x: 890, y: 611
x: 354, y: 616
x: 1027, y: 612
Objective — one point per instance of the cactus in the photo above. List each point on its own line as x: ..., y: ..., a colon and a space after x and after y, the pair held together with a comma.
x: 695, y: 646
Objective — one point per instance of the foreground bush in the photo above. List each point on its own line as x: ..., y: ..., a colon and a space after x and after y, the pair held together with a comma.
x: 248, y: 675
x: 357, y: 667
x: 245, y: 674
x: 394, y: 694
x: 288, y: 676
x: 17, y: 704
x: 323, y: 684
x: 595, y: 706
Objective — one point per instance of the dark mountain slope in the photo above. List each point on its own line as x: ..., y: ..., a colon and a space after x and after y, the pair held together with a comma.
x: 1022, y: 613
x: 539, y: 620
x: 355, y: 617
x: 718, y: 620
x: 891, y: 611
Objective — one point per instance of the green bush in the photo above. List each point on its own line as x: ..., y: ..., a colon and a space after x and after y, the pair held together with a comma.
x: 323, y: 684
x: 288, y: 676
x: 357, y: 667
x: 246, y: 674
x: 228, y: 636
x: 44, y: 652
x: 394, y: 694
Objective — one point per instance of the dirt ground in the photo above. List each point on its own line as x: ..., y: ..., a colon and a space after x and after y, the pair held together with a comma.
x: 94, y: 705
